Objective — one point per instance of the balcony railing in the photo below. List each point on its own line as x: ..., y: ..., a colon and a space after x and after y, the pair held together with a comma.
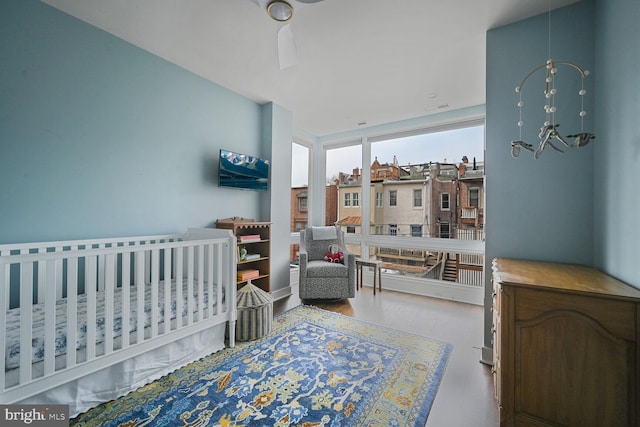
x: 438, y: 267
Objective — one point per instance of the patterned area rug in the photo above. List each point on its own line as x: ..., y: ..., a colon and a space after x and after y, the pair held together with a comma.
x: 316, y: 368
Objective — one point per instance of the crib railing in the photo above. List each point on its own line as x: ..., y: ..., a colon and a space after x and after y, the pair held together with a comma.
x: 144, y: 271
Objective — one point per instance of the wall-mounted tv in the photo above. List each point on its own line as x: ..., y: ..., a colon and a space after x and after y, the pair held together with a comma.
x: 242, y: 171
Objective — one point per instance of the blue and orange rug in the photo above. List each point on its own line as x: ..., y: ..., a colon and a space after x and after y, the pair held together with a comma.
x: 316, y: 368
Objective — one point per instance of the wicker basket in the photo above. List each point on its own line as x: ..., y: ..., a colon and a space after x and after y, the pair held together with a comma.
x: 255, y: 313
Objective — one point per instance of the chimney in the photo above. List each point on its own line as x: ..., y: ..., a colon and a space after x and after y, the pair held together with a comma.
x: 356, y: 172
x: 462, y: 169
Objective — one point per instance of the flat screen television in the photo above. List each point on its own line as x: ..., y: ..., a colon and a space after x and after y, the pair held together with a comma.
x: 242, y: 171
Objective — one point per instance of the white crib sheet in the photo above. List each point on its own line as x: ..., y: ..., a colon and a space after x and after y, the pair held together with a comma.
x: 12, y: 356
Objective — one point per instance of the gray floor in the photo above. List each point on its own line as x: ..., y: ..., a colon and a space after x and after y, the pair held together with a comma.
x: 466, y: 394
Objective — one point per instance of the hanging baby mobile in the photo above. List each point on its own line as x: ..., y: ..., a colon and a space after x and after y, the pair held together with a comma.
x: 549, y: 132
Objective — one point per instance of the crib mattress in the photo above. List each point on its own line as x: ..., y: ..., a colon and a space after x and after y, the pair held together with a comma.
x: 12, y: 355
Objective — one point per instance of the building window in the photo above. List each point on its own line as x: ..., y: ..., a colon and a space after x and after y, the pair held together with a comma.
x: 351, y: 229
x: 416, y: 230
x: 417, y: 198
x: 444, y: 201
x: 347, y: 199
x: 474, y: 197
x: 355, y: 200
x: 393, y: 229
x: 393, y: 198
x: 444, y: 229
x: 378, y: 199
x: 379, y: 230
x: 302, y: 203
x: 299, y: 225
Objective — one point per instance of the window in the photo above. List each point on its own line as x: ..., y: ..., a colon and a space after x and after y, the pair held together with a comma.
x: 474, y: 197
x: 444, y: 201
x: 302, y: 203
x: 300, y: 156
x: 351, y: 229
x: 444, y: 229
x: 356, y: 199
x: 378, y: 199
x: 417, y: 198
x: 416, y: 230
x: 393, y: 229
x: 379, y: 230
x: 343, y: 174
x: 393, y: 198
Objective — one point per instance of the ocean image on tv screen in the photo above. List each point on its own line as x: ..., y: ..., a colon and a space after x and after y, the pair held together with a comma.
x: 242, y: 171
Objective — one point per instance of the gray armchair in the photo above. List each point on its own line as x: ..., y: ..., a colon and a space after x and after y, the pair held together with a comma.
x: 320, y: 279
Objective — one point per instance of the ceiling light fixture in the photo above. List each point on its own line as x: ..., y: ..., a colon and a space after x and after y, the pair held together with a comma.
x: 280, y: 11
x: 549, y: 131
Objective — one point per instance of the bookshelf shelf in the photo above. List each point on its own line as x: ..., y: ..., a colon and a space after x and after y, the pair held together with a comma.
x: 255, y: 238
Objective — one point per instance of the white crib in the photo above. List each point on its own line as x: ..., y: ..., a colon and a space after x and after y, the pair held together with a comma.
x: 141, y: 306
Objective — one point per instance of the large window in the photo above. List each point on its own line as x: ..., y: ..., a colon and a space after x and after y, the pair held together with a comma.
x: 422, y: 186
x: 299, y: 192
x: 344, y: 177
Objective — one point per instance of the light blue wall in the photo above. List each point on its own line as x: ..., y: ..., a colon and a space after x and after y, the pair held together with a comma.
x: 100, y: 138
x: 539, y: 209
x: 617, y: 165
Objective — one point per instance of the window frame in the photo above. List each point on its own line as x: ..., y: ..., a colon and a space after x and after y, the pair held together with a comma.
x: 417, y: 191
x: 393, y: 197
x: 448, y: 201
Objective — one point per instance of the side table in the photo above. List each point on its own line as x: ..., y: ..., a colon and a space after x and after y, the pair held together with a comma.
x: 377, y: 269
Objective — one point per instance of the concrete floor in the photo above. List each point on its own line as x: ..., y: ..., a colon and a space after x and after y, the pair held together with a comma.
x: 465, y: 397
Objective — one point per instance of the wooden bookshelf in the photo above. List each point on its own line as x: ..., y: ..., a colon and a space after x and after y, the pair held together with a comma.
x: 258, y: 248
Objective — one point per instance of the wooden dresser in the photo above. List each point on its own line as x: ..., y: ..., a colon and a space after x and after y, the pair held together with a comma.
x: 566, y: 347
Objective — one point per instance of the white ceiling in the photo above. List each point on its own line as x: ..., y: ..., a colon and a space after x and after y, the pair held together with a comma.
x: 377, y: 61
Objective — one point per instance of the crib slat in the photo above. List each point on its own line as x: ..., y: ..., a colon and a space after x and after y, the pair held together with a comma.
x: 139, y: 284
x: 179, y: 286
x: 59, y: 284
x: 126, y: 301
x: 190, y: 273
x: 41, y: 278
x: 200, y: 249
x: 49, y: 316
x: 101, y: 259
x: 167, y: 290
x: 219, y: 272
x: 155, y: 279
x: 109, y: 288
x: 26, y: 319
x: 72, y: 310
x: 209, y: 264
x: 91, y: 267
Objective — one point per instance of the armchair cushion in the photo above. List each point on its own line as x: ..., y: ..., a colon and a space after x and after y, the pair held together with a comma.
x: 326, y: 269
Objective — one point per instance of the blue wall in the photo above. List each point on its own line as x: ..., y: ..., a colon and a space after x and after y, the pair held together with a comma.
x: 539, y: 209
x: 100, y: 138
x: 616, y: 169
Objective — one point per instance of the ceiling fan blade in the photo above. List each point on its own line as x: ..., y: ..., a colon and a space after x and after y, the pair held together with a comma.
x: 287, y: 51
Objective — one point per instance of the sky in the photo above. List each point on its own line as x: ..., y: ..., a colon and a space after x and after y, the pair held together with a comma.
x: 449, y: 146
